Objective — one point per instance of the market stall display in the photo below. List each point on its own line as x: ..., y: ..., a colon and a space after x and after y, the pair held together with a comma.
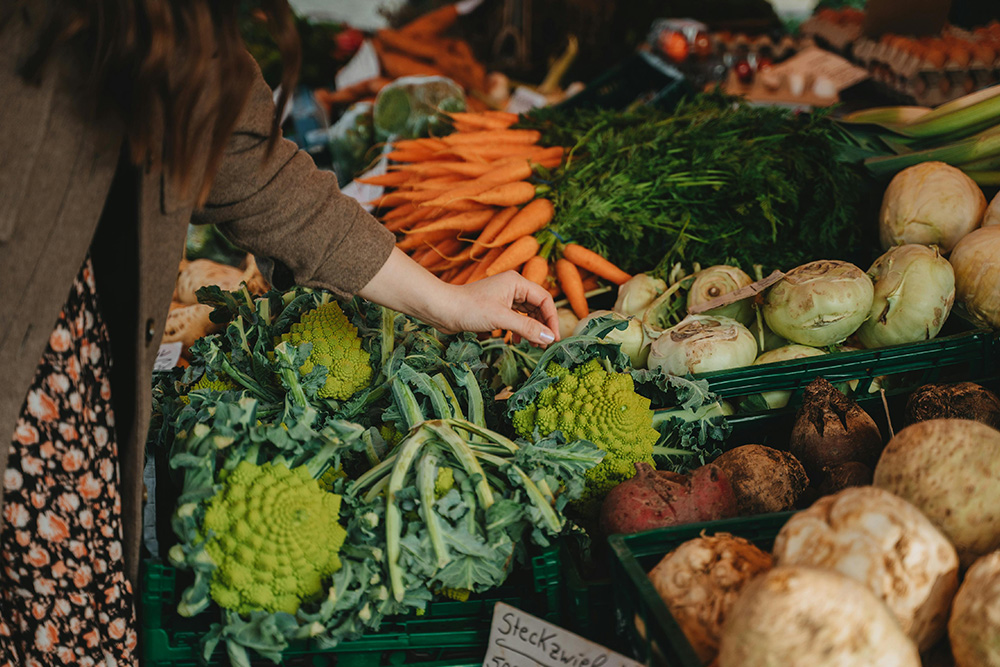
x: 930, y: 69
x: 749, y: 348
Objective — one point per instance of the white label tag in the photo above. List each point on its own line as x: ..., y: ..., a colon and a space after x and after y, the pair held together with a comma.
x: 518, y: 639
x: 524, y: 100
x: 167, y: 356
x: 363, y: 66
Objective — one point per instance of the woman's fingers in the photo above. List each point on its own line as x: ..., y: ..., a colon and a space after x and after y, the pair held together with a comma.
x: 536, y: 301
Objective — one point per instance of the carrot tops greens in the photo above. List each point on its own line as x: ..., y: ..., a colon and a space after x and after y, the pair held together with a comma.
x: 715, y: 181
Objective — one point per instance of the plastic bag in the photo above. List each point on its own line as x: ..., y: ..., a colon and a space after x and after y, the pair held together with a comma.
x: 412, y: 106
x: 351, y: 137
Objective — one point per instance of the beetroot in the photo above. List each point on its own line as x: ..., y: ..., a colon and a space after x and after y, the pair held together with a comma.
x: 657, y: 498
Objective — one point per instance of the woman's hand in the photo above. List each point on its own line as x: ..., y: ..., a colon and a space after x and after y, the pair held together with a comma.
x: 504, y: 301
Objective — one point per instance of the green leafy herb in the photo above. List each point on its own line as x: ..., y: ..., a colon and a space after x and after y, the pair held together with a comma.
x: 716, y: 181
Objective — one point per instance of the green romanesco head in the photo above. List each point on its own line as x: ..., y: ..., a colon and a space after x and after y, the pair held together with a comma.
x: 444, y: 482
x: 593, y: 404
x: 273, y: 536
x: 219, y: 384
x: 335, y: 345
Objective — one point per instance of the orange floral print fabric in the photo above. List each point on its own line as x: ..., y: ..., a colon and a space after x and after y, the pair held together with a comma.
x: 64, y: 599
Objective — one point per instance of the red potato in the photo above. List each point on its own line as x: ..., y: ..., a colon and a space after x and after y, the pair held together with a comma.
x: 657, y: 498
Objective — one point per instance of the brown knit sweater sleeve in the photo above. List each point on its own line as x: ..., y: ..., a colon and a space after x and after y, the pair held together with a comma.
x: 285, y: 208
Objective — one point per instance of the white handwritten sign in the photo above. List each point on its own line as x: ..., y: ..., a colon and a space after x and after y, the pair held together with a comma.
x: 518, y: 639
x: 167, y: 356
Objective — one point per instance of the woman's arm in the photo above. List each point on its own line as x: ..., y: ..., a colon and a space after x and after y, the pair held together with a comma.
x: 279, y: 205
x: 498, y: 302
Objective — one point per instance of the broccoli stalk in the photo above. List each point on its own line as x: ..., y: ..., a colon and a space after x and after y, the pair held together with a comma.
x: 426, y: 478
x: 467, y: 458
x: 408, y: 451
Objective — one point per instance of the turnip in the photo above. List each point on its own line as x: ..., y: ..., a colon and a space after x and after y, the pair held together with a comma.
x: 949, y: 469
x: 700, y: 581
x: 974, y: 627
x: 885, y: 543
x: 797, y: 616
x: 763, y: 479
x: 657, y: 498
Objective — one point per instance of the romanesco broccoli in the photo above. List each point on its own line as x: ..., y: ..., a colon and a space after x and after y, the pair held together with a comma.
x: 273, y: 536
x: 219, y: 384
x: 591, y: 403
x: 335, y: 345
x: 444, y: 482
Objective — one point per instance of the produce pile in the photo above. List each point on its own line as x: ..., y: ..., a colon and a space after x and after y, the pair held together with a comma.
x: 335, y: 464
x: 964, y: 133
x: 473, y: 203
x: 715, y: 181
x: 871, y: 573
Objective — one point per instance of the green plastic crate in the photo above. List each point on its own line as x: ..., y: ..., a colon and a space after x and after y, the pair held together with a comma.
x: 449, y: 634
x: 588, y: 602
x: 635, y: 555
x: 965, y: 355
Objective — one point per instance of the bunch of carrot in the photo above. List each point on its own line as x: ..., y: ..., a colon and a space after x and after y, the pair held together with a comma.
x: 465, y: 208
x: 420, y: 49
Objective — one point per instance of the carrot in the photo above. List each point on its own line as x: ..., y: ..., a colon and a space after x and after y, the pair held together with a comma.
x: 413, y: 155
x: 494, y: 227
x: 515, y: 255
x: 414, y: 241
x: 468, y: 221
x: 590, y: 260
x: 436, y: 169
x: 506, y: 171
x: 485, y: 264
x: 590, y: 283
x: 508, y: 194
x: 420, y: 144
x: 439, y: 182
x: 536, y: 270
x: 489, y: 152
x: 506, y: 116
x: 397, y: 65
x: 572, y: 286
x: 401, y: 197
x: 433, y: 22
x: 399, y: 212
x: 422, y: 216
x: 480, y: 121
x: 494, y: 137
x: 420, y: 253
x: 391, y: 179
x: 549, y: 163
x: 420, y: 48
x: 464, y: 274
x: 528, y: 220
x: 469, y: 73
x: 507, y: 174
x: 440, y: 252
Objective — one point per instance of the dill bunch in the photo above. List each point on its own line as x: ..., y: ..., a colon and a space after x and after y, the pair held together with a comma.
x: 715, y: 181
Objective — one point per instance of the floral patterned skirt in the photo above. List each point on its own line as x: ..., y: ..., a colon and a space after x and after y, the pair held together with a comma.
x: 64, y: 599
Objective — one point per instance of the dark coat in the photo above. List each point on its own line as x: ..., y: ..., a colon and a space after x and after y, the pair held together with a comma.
x: 57, y: 165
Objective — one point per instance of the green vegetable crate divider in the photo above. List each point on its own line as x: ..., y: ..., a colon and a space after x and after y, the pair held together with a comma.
x: 449, y: 634
x: 640, y: 79
x: 635, y: 555
x: 588, y: 607
x: 969, y: 355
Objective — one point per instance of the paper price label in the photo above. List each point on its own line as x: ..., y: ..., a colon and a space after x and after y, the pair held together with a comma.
x: 518, y: 639
x: 167, y: 356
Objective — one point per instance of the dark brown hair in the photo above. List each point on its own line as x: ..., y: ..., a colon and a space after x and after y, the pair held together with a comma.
x: 175, y: 71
